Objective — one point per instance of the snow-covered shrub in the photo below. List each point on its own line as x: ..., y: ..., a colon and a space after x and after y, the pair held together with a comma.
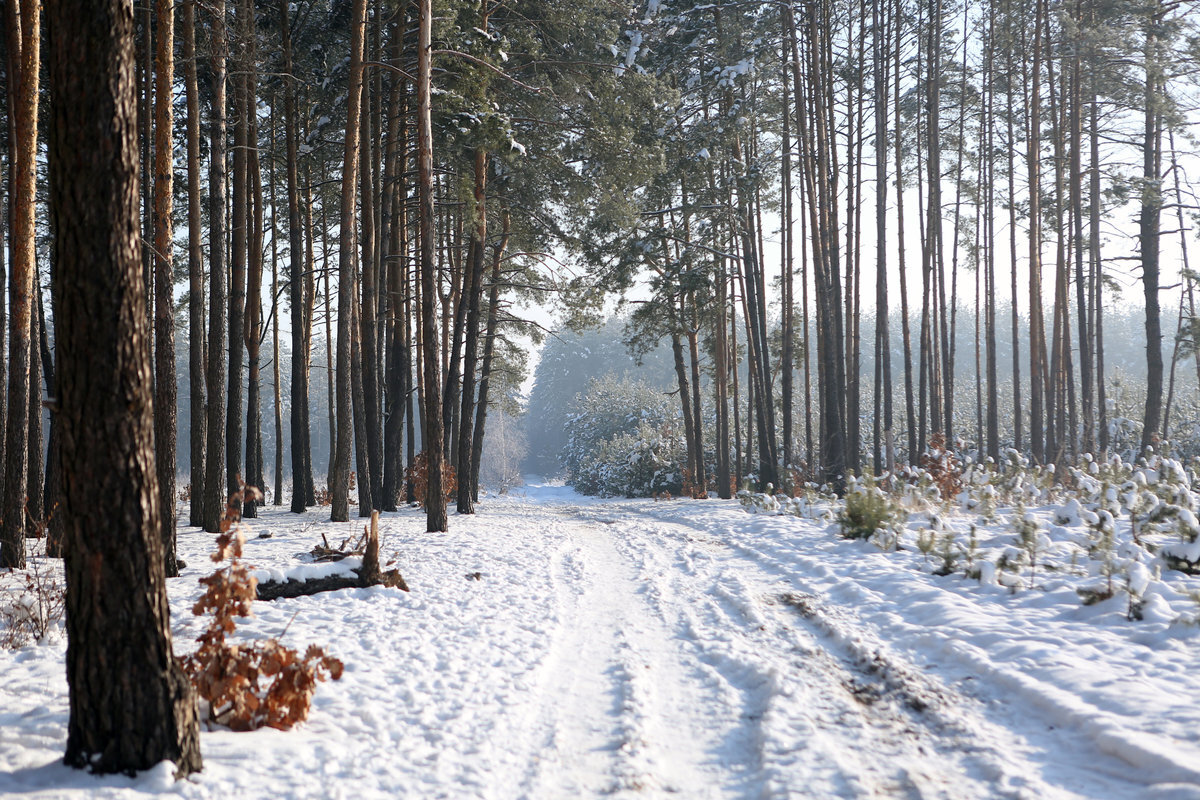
x: 979, y: 495
x: 1184, y: 553
x: 1030, y: 539
x: 916, y: 490
x: 1096, y: 484
x: 1124, y: 400
x: 1161, y: 505
x: 812, y: 502
x: 636, y: 464
x: 35, y: 610
x: 867, y: 510
x: 623, y: 438
x: 758, y: 502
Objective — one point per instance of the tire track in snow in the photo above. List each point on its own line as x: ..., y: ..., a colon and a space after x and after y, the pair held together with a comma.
x: 623, y: 711
x: 995, y: 740
x: 857, y: 736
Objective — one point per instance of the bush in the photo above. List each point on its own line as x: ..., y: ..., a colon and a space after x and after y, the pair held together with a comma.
x: 228, y: 675
x: 35, y: 611
x: 869, y: 510
x: 624, y: 439
x: 418, y: 476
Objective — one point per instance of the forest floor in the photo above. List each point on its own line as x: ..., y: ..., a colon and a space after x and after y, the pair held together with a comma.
x: 557, y: 646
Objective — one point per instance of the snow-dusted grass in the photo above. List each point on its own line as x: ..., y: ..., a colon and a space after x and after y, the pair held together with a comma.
x: 558, y: 646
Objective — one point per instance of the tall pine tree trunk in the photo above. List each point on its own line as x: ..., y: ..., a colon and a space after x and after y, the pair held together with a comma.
x: 131, y: 707
x: 23, y: 25
x: 1148, y: 225
x: 297, y: 280
x: 432, y: 430
x: 165, y: 426
x: 214, y: 485
x: 340, y: 471
x: 196, y: 345
x: 466, y: 497
x: 489, y: 348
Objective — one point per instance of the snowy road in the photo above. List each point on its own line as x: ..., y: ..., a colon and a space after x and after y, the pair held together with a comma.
x: 694, y: 670
x: 561, y: 647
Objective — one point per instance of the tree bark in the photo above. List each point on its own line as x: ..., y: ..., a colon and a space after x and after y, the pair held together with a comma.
x: 489, y: 349
x: 368, y: 364
x: 53, y: 485
x: 243, y: 110
x: 432, y: 431
x: 466, y: 468
x: 165, y: 425
x: 1148, y: 228
x: 35, y: 514
x: 340, y: 472
x: 299, y: 418
x: 214, y: 487
x: 394, y: 267
x: 252, y: 333
x: 130, y: 705
x: 196, y: 344
x: 23, y: 24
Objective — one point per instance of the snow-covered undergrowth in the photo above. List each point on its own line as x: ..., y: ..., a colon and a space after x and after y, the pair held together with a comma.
x: 1112, y: 534
x: 1079, y: 599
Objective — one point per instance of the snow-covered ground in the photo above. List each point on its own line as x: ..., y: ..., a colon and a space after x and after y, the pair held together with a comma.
x: 556, y: 646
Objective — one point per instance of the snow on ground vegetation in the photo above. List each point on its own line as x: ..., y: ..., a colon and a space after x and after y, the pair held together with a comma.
x: 560, y: 646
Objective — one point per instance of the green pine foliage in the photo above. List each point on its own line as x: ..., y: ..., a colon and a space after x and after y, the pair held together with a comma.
x: 869, y: 510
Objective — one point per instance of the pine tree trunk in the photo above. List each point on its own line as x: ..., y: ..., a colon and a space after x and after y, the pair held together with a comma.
x: 884, y: 460
x: 489, y: 348
x: 787, y: 351
x: 432, y: 430
x: 35, y: 513
x: 299, y: 417
x: 5, y: 207
x: 466, y: 468
x: 1148, y: 229
x: 196, y: 347
x: 130, y: 705
x: 1037, y: 332
x: 253, y: 328
x: 362, y: 452
x: 905, y: 329
x: 165, y: 426
x: 276, y: 355
x: 368, y: 363
x: 214, y: 485
x: 23, y: 24
x: 243, y: 109
x: 721, y: 376
x: 1097, y: 268
x: 53, y: 486
x: 693, y: 335
x: 340, y: 470
x: 394, y: 268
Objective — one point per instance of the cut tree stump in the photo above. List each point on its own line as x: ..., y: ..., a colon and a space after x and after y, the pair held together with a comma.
x: 369, y: 574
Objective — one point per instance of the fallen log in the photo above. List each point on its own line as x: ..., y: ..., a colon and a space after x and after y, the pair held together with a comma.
x: 369, y: 574
x: 274, y: 590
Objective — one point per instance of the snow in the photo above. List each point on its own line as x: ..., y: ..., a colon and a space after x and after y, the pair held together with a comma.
x: 561, y: 646
x: 310, y: 572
